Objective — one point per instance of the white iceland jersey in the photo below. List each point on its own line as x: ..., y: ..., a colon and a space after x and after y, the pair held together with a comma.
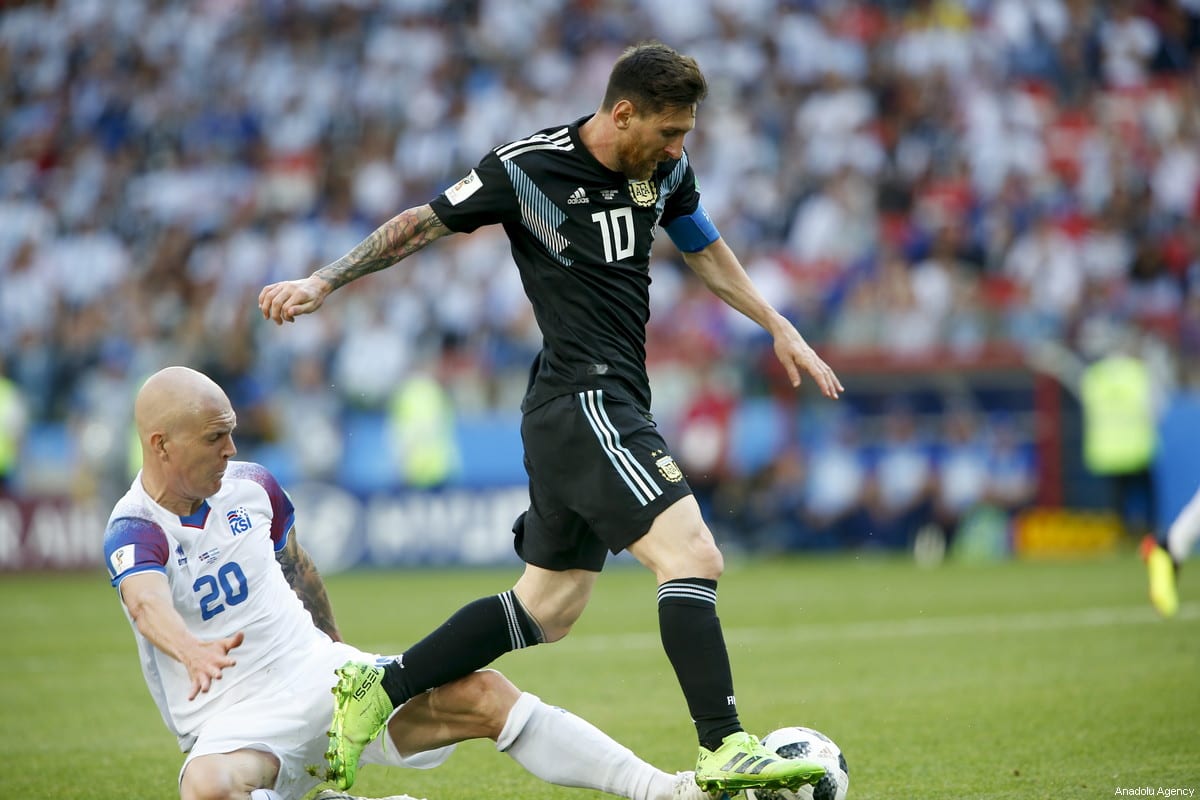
x: 220, y: 564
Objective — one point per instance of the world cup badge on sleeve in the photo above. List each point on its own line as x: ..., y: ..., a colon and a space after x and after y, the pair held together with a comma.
x: 122, y: 559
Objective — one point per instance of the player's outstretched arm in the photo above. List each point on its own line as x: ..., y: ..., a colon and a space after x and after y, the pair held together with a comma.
x: 394, y: 240
x: 302, y: 576
x: 148, y: 598
x: 724, y: 275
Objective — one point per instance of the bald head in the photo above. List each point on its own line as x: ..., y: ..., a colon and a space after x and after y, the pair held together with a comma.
x: 185, y: 423
x: 172, y: 397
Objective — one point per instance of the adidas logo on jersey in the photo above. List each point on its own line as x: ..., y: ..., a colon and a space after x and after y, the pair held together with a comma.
x: 578, y: 197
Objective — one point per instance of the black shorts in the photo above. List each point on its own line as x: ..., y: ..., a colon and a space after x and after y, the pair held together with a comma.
x: 599, y: 473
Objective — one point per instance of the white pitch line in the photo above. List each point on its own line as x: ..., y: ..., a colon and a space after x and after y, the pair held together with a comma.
x: 984, y: 624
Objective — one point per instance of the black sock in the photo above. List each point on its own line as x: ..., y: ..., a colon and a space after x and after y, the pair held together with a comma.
x: 475, y: 636
x: 691, y: 635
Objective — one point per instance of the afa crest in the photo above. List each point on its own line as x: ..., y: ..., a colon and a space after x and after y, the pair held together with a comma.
x: 669, y: 469
x: 644, y: 193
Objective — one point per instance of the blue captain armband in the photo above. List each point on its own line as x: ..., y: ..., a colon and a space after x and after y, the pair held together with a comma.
x: 693, y: 233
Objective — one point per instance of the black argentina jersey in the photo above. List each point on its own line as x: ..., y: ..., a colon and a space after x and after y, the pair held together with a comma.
x: 581, y: 236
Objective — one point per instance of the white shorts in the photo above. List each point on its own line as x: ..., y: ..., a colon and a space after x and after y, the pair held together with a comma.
x: 292, y: 719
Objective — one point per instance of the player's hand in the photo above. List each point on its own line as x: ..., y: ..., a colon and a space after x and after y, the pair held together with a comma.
x: 286, y: 300
x: 795, y: 355
x: 208, y: 660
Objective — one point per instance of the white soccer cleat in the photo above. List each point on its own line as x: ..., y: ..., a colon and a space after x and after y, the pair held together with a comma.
x: 686, y: 788
x: 335, y: 794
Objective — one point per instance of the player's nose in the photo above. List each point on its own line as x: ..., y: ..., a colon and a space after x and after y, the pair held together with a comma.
x: 674, y: 148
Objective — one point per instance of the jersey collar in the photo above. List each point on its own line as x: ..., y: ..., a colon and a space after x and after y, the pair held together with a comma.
x: 197, y: 518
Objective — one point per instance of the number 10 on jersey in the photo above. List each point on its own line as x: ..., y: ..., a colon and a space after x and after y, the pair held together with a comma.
x: 616, y: 229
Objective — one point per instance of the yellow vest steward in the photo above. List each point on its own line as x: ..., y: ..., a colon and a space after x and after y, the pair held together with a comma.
x: 423, y: 422
x: 10, y: 407
x: 1119, y: 433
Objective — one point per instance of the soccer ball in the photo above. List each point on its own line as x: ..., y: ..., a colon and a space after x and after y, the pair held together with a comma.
x: 797, y: 742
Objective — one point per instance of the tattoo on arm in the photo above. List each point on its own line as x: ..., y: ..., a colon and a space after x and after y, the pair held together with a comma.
x: 398, y: 238
x: 302, y: 576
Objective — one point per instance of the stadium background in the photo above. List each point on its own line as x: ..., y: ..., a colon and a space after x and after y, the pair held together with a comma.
x: 951, y: 199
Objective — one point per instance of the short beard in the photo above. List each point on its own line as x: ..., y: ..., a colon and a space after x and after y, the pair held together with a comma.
x: 629, y: 167
x: 645, y: 175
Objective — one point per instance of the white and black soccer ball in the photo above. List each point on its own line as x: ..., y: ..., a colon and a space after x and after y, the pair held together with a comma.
x: 798, y: 742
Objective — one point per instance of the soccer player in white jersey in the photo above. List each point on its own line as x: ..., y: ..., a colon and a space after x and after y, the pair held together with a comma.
x: 238, y: 644
x: 1166, y: 553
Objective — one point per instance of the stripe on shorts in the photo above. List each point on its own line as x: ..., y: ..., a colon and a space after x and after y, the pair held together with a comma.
x: 634, y: 474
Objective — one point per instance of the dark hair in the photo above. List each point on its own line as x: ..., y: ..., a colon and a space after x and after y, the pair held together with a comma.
x: 655, y: 78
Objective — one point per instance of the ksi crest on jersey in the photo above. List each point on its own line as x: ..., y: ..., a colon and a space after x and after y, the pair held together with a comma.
x: 239, y: 520
x: 644, y: 193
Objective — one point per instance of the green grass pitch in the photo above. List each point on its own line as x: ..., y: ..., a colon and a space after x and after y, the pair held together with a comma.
x: 1013, y: 680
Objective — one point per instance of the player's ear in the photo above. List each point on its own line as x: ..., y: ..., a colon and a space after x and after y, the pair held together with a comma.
x: 622, y: 113
x: 158, y: 444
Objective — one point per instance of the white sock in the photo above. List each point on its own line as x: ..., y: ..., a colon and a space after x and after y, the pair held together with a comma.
x: 1182, y: 535
x: 560, y: 748
x: 265, y: 794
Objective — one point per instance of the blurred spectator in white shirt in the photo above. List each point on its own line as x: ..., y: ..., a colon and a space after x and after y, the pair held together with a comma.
x: 1128, y: 42
x: 1044, y: 265
x: 902, y: 480
x: 962, y: 468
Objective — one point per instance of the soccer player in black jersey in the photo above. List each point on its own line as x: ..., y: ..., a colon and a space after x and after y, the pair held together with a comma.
x: 580, y: 204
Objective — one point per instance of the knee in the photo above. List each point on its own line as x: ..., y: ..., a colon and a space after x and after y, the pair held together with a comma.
x: 700, y: 558
x: 555, y: 622
x: 201, y: 782
x: 679, y: 545
x: 484, y: 689
x: 554, y: 601
x: 558, y: 629
x: 709, y: 562
x: 481, y: 700
x: 225, y: 776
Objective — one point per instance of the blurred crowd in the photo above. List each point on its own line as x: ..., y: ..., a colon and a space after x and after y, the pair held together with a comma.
x: 907, y: 179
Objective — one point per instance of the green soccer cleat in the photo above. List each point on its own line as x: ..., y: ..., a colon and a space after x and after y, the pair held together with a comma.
x: 741, y: 762
x: 1163, y: 593
x: 361, y: 710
